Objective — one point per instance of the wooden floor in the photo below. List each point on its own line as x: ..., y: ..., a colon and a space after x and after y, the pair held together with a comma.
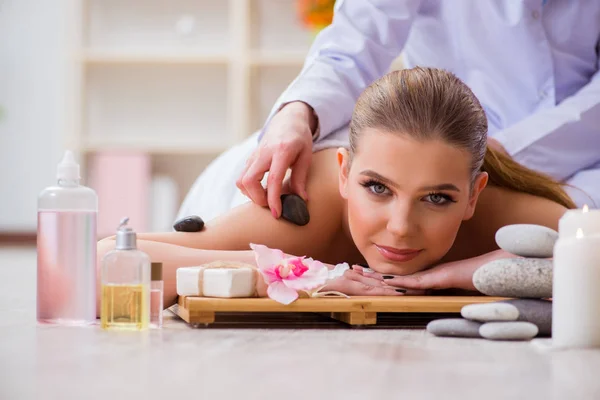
x: 265, y: 356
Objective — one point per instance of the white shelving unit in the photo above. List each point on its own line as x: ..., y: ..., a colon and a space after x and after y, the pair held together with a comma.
x: 179, y: 80
x: 181, y: 76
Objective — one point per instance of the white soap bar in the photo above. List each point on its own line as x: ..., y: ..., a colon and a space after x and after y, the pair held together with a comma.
x: 189, y: 282
x: 216, y: 282
x: 225, y: 282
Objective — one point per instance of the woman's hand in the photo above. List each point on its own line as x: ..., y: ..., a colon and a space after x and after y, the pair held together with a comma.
x: 360, y: 281
x: 451, y: 275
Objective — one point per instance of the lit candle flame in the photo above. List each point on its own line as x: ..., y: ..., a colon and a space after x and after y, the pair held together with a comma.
x: 579, y: 233
x: 585, y: 208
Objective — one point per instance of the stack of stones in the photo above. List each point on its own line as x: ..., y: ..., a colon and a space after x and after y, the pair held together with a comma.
x: 527, y: 278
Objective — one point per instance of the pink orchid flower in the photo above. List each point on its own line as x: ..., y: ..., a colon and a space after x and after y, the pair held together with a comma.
x: 287, y: 275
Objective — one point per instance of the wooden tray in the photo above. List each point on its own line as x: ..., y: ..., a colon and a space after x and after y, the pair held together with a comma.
x: 359, y: 310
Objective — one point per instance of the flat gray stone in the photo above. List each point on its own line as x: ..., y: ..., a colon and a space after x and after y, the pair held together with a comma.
x: 527, y: 240
x: 490, y: 312
x: 454, y: 327
x: 508, y: 330
x: 515, y: 277
x: 538, y: 312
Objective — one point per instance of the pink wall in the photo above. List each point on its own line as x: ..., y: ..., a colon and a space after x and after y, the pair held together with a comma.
x: 122, y: 182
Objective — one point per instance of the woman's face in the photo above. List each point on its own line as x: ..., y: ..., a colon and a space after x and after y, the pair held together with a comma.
x: 406, y: 199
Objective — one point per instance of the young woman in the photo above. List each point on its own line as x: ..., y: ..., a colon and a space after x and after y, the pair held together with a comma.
x: 416, y: 191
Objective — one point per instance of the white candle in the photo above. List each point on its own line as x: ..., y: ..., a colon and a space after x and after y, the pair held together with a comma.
x: 585, y: 219
x: 576, y: 285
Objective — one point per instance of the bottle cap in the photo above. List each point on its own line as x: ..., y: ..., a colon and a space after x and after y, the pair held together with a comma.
x: 68, y: 169
x: 156, y: 274
x: 126, y: 238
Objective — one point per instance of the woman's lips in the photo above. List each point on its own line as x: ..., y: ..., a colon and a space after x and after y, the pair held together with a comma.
x: 398, y: 255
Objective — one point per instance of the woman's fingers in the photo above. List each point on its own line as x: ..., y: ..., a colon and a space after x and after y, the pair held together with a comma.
x: 366, y: 271
x: 429, y: 279
x: 359, y: 277
x: 391, y: 280
x: 357, y: 288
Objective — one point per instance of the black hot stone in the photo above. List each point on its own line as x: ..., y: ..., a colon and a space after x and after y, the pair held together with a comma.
x: 192, y: 223
x: 294, y: 209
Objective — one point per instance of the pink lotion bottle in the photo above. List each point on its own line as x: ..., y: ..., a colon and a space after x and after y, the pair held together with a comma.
x: 66, y: 249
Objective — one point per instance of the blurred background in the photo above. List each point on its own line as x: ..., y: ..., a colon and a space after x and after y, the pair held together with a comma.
x: 145, y: 92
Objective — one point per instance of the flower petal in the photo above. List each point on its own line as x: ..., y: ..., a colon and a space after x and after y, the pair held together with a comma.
x: 315, y: 276
x: 281, y: 293
x: 298, y: 266
x: 267, y: 260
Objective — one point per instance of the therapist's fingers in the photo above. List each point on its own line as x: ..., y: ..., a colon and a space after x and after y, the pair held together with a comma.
x: 249, y: 162
x: 279, y: 166
x: 251, y: 181
x: 300, y: 172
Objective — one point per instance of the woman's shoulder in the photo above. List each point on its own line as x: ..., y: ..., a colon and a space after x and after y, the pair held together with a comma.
x: 498, y: 207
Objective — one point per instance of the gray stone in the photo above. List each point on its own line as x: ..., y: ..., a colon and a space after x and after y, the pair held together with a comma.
x: 538, y: 312
x: 508, y: 330
x: 294, y: 209
x: 490, y: 312
x: 527, y: 240
x: 515, y: 277
x: 455, y: 327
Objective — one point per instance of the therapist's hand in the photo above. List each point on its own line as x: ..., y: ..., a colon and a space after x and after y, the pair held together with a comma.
x: 287, y: 143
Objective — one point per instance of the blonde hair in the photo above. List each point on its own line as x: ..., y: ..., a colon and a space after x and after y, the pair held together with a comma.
x: 429, y: 103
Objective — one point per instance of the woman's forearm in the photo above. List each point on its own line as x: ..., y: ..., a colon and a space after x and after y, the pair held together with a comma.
x: 449, y: 275
x: 173, y: 257
x: 461, y: 272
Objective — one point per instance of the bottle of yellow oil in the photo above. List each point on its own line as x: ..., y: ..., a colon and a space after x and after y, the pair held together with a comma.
x: 125, y: 274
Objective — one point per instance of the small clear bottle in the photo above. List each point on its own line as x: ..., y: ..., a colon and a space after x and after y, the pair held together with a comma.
x: 156, y: 296
x: 125, y: 303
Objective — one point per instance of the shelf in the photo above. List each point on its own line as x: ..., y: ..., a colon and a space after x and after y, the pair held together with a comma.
x: 155, y: 107
x: 153, y: 146
x: 152, y: 57
x: 269, y: 82
x: 184, y: 24
x: 277, y: 58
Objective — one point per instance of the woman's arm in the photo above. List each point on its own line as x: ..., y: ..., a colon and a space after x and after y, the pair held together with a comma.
x: 172, y: 257
x: 450, y: 275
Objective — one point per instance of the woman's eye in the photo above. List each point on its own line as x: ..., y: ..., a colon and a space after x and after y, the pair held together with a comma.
x: 438, y: 198
x: 378, y: 188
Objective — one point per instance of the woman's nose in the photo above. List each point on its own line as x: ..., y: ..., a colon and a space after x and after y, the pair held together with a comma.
x: 402, y: 221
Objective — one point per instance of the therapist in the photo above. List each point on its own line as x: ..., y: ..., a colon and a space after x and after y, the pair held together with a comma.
x: 533, y: 64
